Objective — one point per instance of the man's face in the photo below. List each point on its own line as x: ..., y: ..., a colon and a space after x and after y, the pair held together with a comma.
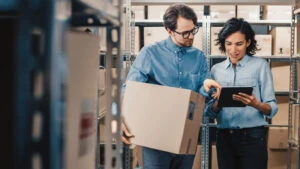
x: 183, y: 35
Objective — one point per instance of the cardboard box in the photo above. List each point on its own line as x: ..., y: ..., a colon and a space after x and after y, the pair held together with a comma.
x: 281, y: 41
x: 278, y: 138
x: 264, y: 43
x: 277, y: 159
x: 281, y: 76
x: 222, y: 12
x: 154, y: 34
x: 80, y: 128
x: 139, y: 12
x: 156, y: 12
x: 214, y: 49
x: 282, y: 116
x: 248, y: 12
x: 161, y: 117
x: 277, y: 12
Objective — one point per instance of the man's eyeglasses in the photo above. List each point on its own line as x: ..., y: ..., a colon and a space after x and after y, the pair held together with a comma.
x: 186, y: 34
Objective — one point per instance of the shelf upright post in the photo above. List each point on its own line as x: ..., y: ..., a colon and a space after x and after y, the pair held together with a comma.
x: 129, y: 36
x: 291, y: 90
x: 296, y: 13
x: 205, y: 153
x: 40, y: 83
x: 113, y: 143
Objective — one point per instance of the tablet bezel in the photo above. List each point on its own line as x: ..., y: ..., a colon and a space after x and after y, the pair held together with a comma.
x: 225, y: 99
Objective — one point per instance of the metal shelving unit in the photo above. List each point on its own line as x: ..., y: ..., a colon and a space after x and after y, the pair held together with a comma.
x: 38, y: 83
x: 106, y: 14
x: 206, y: 24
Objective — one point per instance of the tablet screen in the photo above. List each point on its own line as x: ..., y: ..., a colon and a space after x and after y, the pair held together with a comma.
x: 225, y: 99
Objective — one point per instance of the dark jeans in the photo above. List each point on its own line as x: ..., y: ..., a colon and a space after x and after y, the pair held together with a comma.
x: 242, y: 148
x: 155, y: 159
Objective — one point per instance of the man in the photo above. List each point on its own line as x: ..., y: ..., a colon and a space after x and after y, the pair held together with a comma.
x: 172, y: 62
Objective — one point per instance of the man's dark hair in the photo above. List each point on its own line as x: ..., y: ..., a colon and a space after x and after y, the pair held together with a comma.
x: 175, y: 10
x: 237, y: 25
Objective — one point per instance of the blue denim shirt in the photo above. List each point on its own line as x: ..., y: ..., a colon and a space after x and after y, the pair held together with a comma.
x: 167, y: 64
x: 250, y: 71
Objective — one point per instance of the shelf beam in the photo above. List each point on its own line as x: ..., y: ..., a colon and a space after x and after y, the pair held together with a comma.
x: 215, y: 2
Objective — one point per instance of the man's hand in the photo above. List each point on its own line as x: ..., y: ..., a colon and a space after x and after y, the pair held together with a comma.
x: 209, y: 84
x: 126, y: 134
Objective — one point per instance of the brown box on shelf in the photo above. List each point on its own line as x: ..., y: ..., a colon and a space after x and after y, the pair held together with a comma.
x: 277, y: 12
x: 154, y: 34
x: 248, y: 12
x: 277, y: 159
x: 81, y: 96
x: 281, y: 76
x: 161, y: 117
x: 139, y: 12
x: 222, y: 12
x: 156, y: 12
x: 278, y: 138
x: 281, y: 41
x: 264, y: 43
x: 282, y: 116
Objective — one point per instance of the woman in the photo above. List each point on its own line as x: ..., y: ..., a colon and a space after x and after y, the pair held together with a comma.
x: 241, y: 135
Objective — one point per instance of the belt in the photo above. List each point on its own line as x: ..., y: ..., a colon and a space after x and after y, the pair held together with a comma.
x: 239, y: 131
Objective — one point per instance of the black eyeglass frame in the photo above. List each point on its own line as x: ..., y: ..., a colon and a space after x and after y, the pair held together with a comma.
x: 186, y: 34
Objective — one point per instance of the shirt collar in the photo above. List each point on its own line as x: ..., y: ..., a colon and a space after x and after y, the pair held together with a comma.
x: 241, y: 63
x: 173, y: 47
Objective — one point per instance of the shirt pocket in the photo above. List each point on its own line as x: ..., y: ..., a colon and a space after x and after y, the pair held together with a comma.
x: 246, y: 82
x: 194, y: 80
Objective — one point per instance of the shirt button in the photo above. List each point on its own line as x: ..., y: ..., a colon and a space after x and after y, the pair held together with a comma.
x: 180, y: 73
x: 180, y: 59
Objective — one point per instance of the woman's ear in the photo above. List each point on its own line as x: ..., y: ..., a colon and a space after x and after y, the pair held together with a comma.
x: 248, y: 42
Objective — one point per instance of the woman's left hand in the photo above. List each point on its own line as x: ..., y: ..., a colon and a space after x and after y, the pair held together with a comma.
x: 249, y: 100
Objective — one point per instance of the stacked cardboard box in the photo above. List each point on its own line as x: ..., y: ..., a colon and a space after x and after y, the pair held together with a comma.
x: 264, y: 44
x: 222, y: 12
x: 248, y: 12
x: 80, y: 133
x: 281, y: 76
x: 277, y: 12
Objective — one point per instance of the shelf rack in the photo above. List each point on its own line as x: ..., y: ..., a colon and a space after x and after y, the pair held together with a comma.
x: 39, y: 65
x: 206, y: 23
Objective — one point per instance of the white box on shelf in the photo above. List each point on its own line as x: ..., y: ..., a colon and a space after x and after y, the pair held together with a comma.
x: 222, y: 12
x: 277, y: 12
x: 248, y: 12
x: 154, y: 34
x: 264, y: 43
x: 281, y: 41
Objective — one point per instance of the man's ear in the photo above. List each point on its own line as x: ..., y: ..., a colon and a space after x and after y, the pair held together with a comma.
x: 169, y: 31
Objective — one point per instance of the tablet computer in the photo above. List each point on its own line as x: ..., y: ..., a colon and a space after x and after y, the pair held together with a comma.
x: 225, y: 99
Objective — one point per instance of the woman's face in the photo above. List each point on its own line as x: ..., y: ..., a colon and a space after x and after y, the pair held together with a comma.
x: 235, y: 46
